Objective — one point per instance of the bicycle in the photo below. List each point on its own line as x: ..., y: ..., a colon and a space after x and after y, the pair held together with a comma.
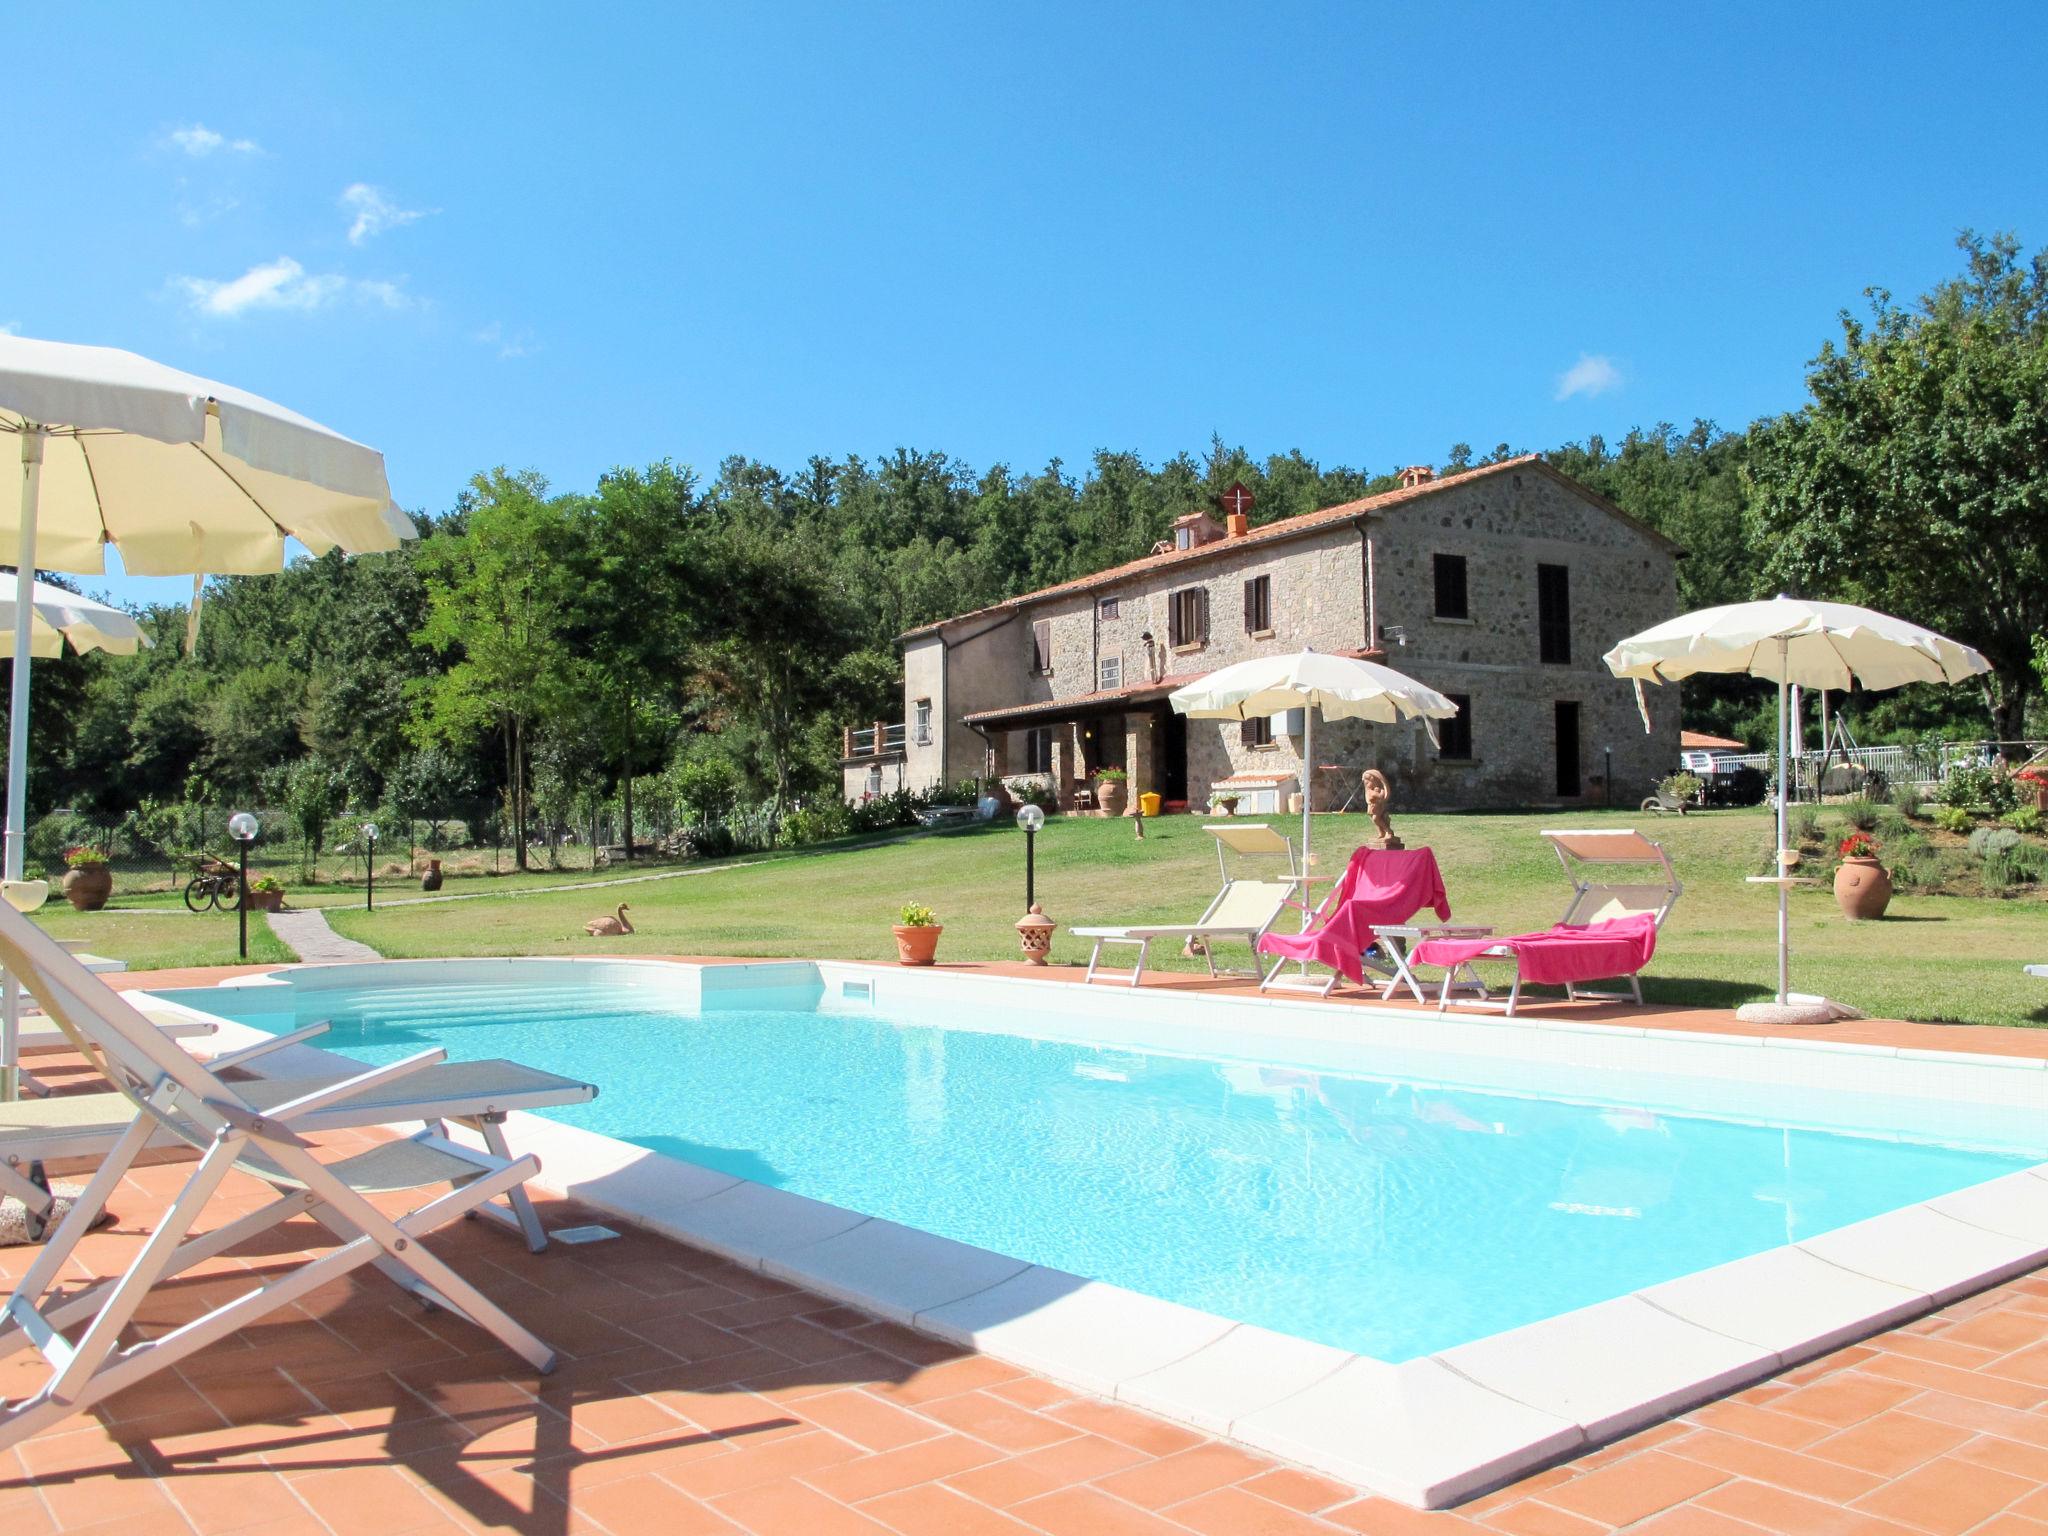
x: 216, y: 886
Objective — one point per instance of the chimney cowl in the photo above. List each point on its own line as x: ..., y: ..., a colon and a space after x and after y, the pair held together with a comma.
x: 1238, y: 523
x: 1416, y: 474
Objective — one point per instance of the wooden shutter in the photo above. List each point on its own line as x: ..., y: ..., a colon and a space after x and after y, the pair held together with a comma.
x: 1041, y: 645
x: 1202, y: 615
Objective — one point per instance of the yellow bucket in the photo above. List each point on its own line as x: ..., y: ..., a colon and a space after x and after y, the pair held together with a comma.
x: 1148, y: 804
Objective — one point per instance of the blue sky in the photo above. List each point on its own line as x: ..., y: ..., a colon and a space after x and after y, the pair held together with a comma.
x: 568, y: 239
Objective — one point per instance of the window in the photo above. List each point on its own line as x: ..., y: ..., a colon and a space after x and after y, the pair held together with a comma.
x: 921, y: 723
x: 1041, y: 647
x: 1257, y: 731
x: 1454, y: 736
x: 1450, y: 588
x: 1553, y: 613
x: 1106, y: 609
x: 1109, y: 671
x: 874, y: 780
x: 1038, y: 750
x: 1258, y: 606
x: 1187, y: 617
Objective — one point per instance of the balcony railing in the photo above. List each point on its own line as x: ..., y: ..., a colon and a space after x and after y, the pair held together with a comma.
x: 877, y: 740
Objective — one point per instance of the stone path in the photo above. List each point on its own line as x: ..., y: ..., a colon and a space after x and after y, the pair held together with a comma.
x: 306, y: 934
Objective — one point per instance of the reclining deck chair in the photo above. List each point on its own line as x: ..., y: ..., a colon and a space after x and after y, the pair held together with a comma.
x: 79, y: 1334
x: 1244, y: 908
x: 1608, y: 930
x: 1379, y: 885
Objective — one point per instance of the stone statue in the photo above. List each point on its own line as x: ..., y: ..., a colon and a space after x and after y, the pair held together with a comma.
x: 1377, y: 794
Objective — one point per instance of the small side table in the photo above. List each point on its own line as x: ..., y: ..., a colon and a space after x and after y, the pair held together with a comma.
x: 1398, y: 943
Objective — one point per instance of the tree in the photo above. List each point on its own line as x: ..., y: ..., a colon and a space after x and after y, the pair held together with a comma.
x: 496, y: 596
x: 1916, y: 478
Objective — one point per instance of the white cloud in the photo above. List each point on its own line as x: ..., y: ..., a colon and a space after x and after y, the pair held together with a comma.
x: 199, y: 141
x: 1593, y: 374
x: 375, y: 212
x: 284, y: 284
x: 509, y: 343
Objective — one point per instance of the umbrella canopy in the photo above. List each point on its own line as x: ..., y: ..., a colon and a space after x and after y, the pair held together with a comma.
x: 1792, y: 640
x: 57, y: 616
x: 1825, y: 645
x: 1341, y: 687
x: 181, y: 475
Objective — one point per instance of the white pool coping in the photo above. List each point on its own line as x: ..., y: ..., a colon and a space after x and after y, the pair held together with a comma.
x: 1428, y: 1432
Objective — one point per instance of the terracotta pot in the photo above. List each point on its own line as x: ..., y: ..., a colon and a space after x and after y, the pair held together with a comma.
x: 266, y: 901
x: 1109, y: 794
x: 88, y: 887
x: 916, y: 946
x: 431, y: 880
x: 1862, y: 889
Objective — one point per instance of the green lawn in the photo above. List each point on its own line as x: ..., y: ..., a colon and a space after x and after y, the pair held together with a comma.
x: 156, y: 936
x: 1941, y: 959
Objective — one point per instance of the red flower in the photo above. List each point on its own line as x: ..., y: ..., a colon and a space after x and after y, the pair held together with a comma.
x: 1858, y: 845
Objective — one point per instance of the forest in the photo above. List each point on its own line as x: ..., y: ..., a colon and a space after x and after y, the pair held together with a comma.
x: 682, y: 650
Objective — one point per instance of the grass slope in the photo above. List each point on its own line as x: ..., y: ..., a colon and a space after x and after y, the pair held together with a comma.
x: 1939, y: 959
x: 158, y: 937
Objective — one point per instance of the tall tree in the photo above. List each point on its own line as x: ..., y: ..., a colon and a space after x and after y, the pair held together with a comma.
x: 1917, y: 475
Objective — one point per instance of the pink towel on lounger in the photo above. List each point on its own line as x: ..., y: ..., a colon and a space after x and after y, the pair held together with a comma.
x: 1569, y: 952
x: 1380, y: 885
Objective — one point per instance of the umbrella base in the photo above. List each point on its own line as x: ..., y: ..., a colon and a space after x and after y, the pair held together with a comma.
x: 1798, y: 1008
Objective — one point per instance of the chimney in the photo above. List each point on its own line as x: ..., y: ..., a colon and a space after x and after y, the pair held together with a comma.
x: 1239, y: 524
x: 1416, y: 474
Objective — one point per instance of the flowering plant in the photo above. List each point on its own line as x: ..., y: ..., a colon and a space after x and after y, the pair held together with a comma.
x: 916, y: 915
x: 2033, y: 774
x: 1858, y: 845
x: 83, y: 857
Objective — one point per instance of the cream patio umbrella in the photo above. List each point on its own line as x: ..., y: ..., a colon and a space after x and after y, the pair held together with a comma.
x: 58, y: 618
x: 1342, y: 687
x: 1815, y: 645
x: 182, y: 476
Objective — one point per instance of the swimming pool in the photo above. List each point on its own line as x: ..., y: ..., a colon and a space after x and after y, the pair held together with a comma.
x: 1390, y: 1197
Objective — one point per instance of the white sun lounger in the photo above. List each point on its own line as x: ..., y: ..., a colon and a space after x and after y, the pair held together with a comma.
x: 1243, y: 909
x: 79, y: 1333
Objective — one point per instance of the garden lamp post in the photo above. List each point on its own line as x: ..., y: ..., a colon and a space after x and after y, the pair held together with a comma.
x: 1030, y: 818
x: 243, y: 827
x: 369, y: 866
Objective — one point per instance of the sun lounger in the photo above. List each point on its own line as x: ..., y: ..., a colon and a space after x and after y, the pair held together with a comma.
x: 1243, y: 909
x: 2036, y: 970
x: 1378, y: 886
x: 80, y: 1333
x: 1608, y: 931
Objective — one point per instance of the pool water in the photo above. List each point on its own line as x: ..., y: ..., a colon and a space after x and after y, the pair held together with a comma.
x: 1382, y: 1216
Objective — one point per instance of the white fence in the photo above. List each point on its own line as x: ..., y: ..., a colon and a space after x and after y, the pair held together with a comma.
x: 1899, y: 764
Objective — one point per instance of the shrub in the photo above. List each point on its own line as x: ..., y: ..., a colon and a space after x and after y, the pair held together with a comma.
x: 1033, y: 791
x: 2023, y: 818
x: 1681, y: 785
x: 1891, y: 826
x: 1905, y: 798
x: 1997, y: 874
x: 1802, y: 825
x: 815, y: 824
x: 1745, y: 786
x: 1877, y: 784
x: 916, y: 915
x: 1860, y: 813
x: 1973, y: 784
x: 1993, y: 842
x: 1916, y: 865
x: 1953, y: 818
x: 2029, y: 861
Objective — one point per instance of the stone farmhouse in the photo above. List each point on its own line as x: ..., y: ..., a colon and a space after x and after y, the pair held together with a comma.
x: 1500, y: 586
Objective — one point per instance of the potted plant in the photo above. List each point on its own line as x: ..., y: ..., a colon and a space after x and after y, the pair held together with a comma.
x: 917, y: 934
x: 1863, y: 889
x: 1226, y: 805
x: 2033, y: 780
x: 89, y: 880
x: 1109, y: 790
x: 266, y: 894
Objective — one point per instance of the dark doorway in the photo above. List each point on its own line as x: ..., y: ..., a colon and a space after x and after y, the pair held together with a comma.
x: 1568, y: 750
x: 1173, y: 757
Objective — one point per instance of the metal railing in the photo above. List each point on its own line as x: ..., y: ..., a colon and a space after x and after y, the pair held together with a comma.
x: 1928, y: 764
x: 871, y: 740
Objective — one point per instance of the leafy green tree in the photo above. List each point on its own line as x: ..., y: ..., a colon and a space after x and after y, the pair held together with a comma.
x: 497, y: 595
x: 314, y: 794
x: 1916, y: 477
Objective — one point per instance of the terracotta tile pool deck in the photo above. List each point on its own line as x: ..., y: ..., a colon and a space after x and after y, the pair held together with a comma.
x: 698, y: 1397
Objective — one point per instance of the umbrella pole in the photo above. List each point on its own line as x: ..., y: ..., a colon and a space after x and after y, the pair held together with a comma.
x: 1308, y: 805
x: 1784, y: 870
x: 17, y: 738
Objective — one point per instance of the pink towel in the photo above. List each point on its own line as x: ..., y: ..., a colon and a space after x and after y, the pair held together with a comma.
x: 1379, y: 885
x: 1569, y: 952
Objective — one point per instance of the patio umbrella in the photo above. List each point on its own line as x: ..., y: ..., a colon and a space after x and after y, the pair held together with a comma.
x: 181, y: 475
x: 1342, y: 687
x: 57, y: 617
x: 1815, y: 645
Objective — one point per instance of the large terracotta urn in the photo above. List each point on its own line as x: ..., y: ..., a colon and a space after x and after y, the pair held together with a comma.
x: 1862, y: 888
x: 1109, y: 794
x: 88, y: 886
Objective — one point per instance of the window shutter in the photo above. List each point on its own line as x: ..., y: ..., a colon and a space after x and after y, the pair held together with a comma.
x: 1251, y: 606
x: 1041, y: 644
x: 1202, y: 615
